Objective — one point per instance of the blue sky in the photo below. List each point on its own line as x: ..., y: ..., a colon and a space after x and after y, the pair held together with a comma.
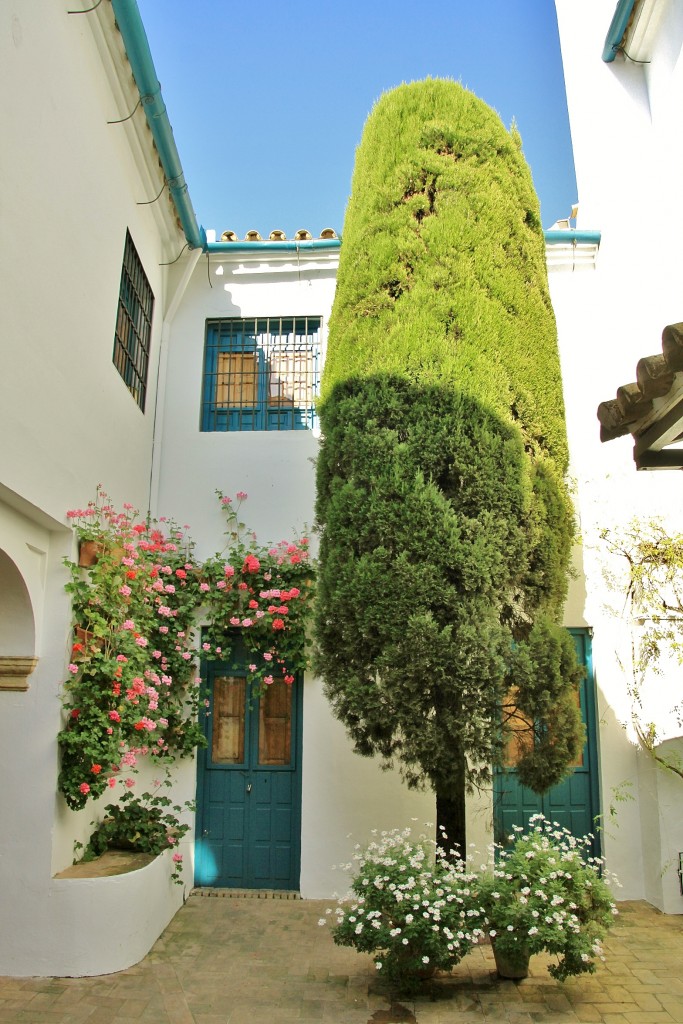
x: 268, y: 101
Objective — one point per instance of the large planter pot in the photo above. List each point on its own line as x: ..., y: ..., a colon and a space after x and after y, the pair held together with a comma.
x: 512, y: 964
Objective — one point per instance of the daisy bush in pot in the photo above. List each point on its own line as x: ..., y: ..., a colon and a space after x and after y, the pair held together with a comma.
x: 413, y: 908
x: 545, y: 893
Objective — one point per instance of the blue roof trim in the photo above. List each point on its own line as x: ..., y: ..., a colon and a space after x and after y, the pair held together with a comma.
x: 554, y: 236
x: 319, y: 244
x: 135, y: 41
x: 615, y: 32
x: 557, y: 236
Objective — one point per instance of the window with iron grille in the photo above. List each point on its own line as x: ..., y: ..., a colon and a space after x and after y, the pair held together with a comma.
x: 261, y: 374
x: 133, y: 324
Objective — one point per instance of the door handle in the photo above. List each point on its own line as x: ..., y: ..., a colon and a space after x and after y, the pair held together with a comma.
x: 205, y: 832
x: 249, y: 787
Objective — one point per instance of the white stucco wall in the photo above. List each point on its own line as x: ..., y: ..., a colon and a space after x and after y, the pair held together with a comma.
x: 71, y: 184
x: 70, y: 188
x: 344, y: 796
x: 626, y: 131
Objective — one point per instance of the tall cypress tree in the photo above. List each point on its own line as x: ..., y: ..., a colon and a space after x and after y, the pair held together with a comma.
x: 445, y: 524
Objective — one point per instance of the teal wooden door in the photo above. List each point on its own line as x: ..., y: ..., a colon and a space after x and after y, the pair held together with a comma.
x: 249, y: 784
x: 574, y: 803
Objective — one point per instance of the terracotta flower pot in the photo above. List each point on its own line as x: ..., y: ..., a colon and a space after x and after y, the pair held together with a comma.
x: 89, y: 552
x: 88, y: 638
x: 83, y: 636
x: 514, y: 965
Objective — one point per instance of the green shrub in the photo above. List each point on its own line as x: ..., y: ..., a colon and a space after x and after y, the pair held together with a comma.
x: 446, y: 527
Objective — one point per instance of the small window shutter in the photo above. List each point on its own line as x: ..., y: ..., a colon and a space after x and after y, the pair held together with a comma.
x: 237, y: 379
x: 291, y: 379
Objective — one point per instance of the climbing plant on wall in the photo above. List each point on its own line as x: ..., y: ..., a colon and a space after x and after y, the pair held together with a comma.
x: 446, y: 525
x: 133, y: 692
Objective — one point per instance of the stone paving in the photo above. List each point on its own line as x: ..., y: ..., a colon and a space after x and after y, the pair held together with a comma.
x: 265, y: 961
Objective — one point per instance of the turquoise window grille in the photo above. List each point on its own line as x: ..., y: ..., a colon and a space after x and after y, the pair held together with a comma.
x: 261, y: 373
x: 132, y: 337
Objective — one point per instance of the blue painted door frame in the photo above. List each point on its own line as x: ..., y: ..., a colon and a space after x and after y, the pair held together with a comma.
x: 575, y: 802
x: 248, y: 812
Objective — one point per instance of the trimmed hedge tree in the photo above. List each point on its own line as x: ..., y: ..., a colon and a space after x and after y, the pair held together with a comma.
x: 445, y: 524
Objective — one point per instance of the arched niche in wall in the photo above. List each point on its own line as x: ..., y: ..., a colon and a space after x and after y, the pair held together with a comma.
x: 17, y: 628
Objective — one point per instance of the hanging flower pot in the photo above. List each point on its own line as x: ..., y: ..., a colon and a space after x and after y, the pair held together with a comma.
x: 87, y: 639
x: 89, y: 552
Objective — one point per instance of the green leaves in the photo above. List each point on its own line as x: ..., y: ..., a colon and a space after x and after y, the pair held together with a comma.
x: 544, y: 676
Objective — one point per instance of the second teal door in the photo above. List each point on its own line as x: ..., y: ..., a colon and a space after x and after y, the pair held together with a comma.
x: 574, y: 803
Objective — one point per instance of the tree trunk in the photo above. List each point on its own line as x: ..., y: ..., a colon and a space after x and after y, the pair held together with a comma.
x: 450, y: 811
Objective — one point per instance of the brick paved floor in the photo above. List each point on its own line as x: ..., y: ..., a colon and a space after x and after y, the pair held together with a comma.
x: 253, y: 961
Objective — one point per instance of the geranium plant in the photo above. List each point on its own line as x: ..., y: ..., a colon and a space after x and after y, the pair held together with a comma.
x: 145, y: 824
x: 546, y: 893
x: 132, y: 694
x: 132, y: 689
x: 412, y: 906
x: 260, y: 595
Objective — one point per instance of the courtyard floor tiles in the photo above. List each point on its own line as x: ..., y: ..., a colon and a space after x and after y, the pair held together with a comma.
x: 254, y: 961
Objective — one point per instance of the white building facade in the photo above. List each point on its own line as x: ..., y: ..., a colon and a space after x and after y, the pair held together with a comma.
x: 74, y: 412
x: 157, y: 418
x: 625, y: 119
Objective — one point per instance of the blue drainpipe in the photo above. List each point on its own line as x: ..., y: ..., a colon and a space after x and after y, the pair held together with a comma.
x: 135, y: 41
x: 615, y: 32
x: 137, y: 48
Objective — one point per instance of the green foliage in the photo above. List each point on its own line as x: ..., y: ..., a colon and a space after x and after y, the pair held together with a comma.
x: 649, y: 582
x: 446, y: 526
x: 131, y: 691
x: 545, y: 893
x: 411, y: 907
x: 546, y: 677
x: 145, y: 824
x: 442, y: 276
x: 256, y: 598
x: 413, y: 583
